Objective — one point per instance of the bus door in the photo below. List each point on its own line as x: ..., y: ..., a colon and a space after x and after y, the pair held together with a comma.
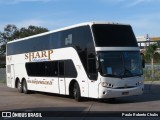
x: 61, y: 78
x: 93, y: 83
x: 12, y: 76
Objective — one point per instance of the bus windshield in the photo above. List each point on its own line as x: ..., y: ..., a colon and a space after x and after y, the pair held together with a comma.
x: 120, y: 64
x: 109, y: 35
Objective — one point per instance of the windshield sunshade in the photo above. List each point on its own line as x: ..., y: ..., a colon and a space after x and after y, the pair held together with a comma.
x: 107, y: 35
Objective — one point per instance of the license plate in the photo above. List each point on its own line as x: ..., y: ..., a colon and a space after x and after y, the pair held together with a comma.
x: 125, y: 93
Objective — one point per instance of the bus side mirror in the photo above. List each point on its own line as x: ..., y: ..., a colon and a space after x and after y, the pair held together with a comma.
x: 97, y: 65
x: 143, y: 60
x: 143, y: 63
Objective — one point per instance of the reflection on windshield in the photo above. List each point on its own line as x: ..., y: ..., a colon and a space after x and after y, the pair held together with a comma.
x: 120, y: 64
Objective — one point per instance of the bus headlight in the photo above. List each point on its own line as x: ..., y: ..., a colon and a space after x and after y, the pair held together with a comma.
x: 104, y: 84
x: 139, y: 83
x: 108, y: 85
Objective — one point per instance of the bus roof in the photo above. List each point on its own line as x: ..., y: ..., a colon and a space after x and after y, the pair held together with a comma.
x: 65, y: 28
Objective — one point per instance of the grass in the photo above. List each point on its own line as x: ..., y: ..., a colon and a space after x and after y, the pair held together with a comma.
x: 2, y: 81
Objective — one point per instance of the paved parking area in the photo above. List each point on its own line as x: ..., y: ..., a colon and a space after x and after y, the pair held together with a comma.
x: 11, y: 100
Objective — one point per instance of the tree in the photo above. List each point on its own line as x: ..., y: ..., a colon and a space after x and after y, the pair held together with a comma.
x: 11, y: 32
x: 151, y: 53
x: 7, y: 36
x: 2, y: 61
x: 31, y: 30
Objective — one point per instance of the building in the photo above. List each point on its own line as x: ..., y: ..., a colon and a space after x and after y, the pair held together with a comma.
x: 155, y: 38
x: 144, y: 41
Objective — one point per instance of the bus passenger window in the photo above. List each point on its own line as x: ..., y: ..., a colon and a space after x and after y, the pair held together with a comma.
x: 61, y: 68
x: 70, y: 70
x: 35, y: 69
x: 51, y: 69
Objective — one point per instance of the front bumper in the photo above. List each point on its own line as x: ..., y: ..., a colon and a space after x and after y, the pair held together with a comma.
x: 114, y: 93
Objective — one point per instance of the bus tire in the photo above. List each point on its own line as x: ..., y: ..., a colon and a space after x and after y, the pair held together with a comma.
x: 24, y: 87
x: 76, y: 92
x: 19, y: 86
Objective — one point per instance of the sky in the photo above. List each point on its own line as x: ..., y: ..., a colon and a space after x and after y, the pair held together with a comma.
x: 142, y: 15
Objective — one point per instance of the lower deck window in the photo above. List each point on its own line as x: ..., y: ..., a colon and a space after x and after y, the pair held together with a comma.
x: 62, y: 68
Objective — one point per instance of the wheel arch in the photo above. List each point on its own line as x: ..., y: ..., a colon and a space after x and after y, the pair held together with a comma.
x: 71, y: 85
x: 16, y: 82
x: 23, y: 79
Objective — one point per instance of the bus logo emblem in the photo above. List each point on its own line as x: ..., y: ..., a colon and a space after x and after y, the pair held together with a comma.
x: 40, y: 55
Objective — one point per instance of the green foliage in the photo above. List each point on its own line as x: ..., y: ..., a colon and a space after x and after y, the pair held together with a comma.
x: 151, y: 52
x: 7, y: 35
x: 2, y: 61
x: 2, y: 81
x: 3, y: 49
x: 2, y: 65
x: 11, y: 32
x: 151, y: 49
x: 31, y: 30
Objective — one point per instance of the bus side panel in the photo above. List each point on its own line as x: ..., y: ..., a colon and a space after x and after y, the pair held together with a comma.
x: 12, y: 76
x: 10, y: 72
x: 43, y: 84
x: 8, y: 75
x: 94, y: 87
x: 49, y: 84
x: 81, y: 78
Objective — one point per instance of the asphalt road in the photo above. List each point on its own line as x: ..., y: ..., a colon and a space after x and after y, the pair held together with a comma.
x: 11, y: 100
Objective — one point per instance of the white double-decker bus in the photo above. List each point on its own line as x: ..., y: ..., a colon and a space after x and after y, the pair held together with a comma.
x: 95, y: 59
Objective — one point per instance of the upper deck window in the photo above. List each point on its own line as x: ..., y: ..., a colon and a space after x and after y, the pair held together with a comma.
x: 109, y: 35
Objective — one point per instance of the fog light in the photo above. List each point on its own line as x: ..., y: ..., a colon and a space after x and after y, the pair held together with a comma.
x: 104, y: 92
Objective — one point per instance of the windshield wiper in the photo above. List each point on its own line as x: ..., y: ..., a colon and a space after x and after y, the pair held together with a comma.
x: 127, y: 73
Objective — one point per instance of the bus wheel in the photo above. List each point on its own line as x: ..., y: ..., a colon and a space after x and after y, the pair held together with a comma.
x: 24, y: 85
x: 19, y: 86
x: 76, y: 92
